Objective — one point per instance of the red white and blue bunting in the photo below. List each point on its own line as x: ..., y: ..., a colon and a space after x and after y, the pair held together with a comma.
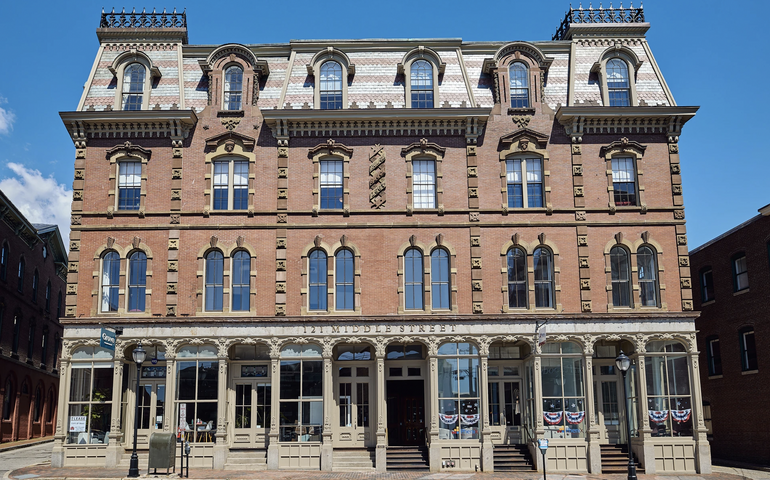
x: 575, y: 417
x: 681, y: 415
x: 448, y: 419
x: 552, y: 418
x: 658, y: 416
x: 469, y: 419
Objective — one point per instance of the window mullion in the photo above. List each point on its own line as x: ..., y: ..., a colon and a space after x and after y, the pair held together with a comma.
x: 524, y: 186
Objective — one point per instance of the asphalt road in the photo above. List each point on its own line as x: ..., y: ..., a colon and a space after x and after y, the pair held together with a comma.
x: 24, y: 457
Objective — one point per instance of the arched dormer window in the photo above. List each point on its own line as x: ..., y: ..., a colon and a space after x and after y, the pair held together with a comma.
x: 620, y: 265
x: 215, y: 264
x: 542, y: 261
x: 648, y: 277
x: 133, y: 86
x: 516, y: 260
x: 317, y: 280
x: 241, y: 278
x: 344, y: 280
x: 519, y: 85
x: 618, y: 84
x: 421, y: 83
x: 330, y: 88
x: 439, y: 280
x: 413, y: 280
x: 137, y: 281
x: 617, y: 68
x: 110, y: 280
x: 233, y: 90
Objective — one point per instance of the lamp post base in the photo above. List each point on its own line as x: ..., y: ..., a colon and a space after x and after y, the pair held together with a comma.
x: 631, y: 466
x: 133, y: 466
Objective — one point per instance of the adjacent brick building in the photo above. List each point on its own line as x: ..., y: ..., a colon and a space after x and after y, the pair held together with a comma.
x: 33, y: 265
x: 337, y: 252
x: 732, y: 275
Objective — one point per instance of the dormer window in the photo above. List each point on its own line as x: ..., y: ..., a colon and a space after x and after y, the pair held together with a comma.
x: 233, y: 88
x: 618, y: 84
x: 422, y: 84
x: 331, y: 86
x: 133, y: 86
x: 519, y: 86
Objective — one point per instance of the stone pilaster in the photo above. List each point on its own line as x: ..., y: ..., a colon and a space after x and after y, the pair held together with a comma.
x: 382, y: 412
x: 275, y: 399
x: 584, y: 269
x: 73, y: 267
x: 172, y: 274
x: 280, y: 272
x: 477, y: 285
x: 702, y: 447
x: 473, y: 176
x: 594, y: 449
x: 60, y: 436
x: 487, y: 449
x: 327, y: 451
x: 434, y: 452
x: 115, y: 440
x: 647, y: 457
x: 176, y: 173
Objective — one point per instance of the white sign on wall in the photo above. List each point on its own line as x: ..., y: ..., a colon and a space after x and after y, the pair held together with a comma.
x: 77, y: 424
x: 182, y: 415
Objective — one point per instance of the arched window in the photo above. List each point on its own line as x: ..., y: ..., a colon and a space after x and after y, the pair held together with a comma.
x: 9, y: 400
x: 648, y: 281
x: 133, y: 86
x: 621, y: 278
x: 519, y: 86
x: 233, y: 88
x: 459, y: 394
x: 421, y: 80
x: 44, y: 344
x: 413, y: 286
x: 215, y: 265
x: 331, y: 86
x: 48, y: 296
x: 543, y: 263
x: 16, y: 334
x: 20, y: 285
x: 241, y: 280
x: 4, y: 262
x: 618, y: 85
x: 110, y: 281
x: 38, y: 407
x: 35, y: 284
x: 517, y: 278
x: 344, y: 280
x: 439, y: 279
x: 31, y: 342
x: 137, y: 281
x: 317, y: 280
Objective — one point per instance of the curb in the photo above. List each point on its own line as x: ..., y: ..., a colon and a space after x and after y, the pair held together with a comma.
x: 24, y: 445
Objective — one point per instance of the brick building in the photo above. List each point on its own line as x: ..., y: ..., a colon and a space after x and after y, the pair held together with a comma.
x: 33, y: 267
x: 337, y: 252
x: 732, y: 275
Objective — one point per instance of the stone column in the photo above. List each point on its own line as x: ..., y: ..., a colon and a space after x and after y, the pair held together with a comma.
x: 594, y: 450
x: 327, y: 449
x: 171, y: 419
x: 487, y: 449
x: 645, y: 432
x: 537, y: 381
x: 57, y: 456
x: 221, y: 447
x: 434, y: 447
x: 702, y: 448
x: 382, y: 421
x: 275, y: 396
x: 115, y: 437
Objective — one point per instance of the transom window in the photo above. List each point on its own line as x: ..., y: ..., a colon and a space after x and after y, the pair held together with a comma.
x: 133, y: 86
x: 110, y: 282
x: 543, y: 263
x: 740, y: 273
x: 233, y: 88
x: 519, y: 86
x: 413, y: 279
x: 137, y: 281
x: 525, y: 182
x: 129, y: 185
x: 618, y: 85
x: 458, y: 391
x: 231, y: 192
x: 317, y: 280
x: 344, y: 280
x: 517, y: 278
x: 421, y: 80
x: 424, y: 183
x: 241, y: 280
x: 331, y: 86
x: 331, y: 184
x: 648, y: 281
x: 215, y: 263
x: 624, y: 181
x: 621, y: 277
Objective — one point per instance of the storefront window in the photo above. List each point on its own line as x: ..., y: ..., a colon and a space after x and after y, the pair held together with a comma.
x: 197, y: 382
x: 458, y: 391
x: 301, y: 406
x: 563, y: 391
x: 669, y: 401
x: 90, y: 407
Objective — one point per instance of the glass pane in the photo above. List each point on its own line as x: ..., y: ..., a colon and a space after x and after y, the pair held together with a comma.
x: 447, y: 377
x: 312, y: 379
x: 290, y: 379
x: 551, y: 374
x: 208, y: 380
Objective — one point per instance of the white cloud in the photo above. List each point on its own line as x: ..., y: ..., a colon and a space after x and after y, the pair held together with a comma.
x: 40, y: 199
x: 6, y: 118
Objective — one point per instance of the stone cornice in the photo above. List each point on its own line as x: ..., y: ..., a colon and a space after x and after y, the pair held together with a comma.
x: 584, y: 120
x: 120, y: 124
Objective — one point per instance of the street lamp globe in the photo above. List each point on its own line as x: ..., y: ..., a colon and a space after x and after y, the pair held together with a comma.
x: 623, y: 362
x: 139, y: 354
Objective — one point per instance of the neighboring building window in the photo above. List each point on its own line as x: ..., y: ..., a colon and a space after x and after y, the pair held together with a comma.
x: 129, y: 185
x: 16, y: 334
x: 58, y: 305
x: 110, y: 281
x: 422, y: 84
x: 137, y: 281
x: 51, y: 406
x: 215, y: 264
x: 227, y: 187
x: 459, y: 399
x: 424, y: 183
x: 55, y: 350
x: 648, y: 281
x: 623, y: 181
x: 20, y: 285
x: 706, y: 286
x: 413, y: 280
x: 714, y: 356
x: 344, y: 280
x: 331, y: 86
x: 48, y: 296
x: 133, y: 86
x: 517, y: 278
x: 35, y: 283
x: 233, y: 88
x: 669, y: 401
x: 90, y: 395
x: 301, y: 404
x: 9, y: 400
x: 331, y: 184
x: 621, y: 277
x: 439, y: 279
x: 748, y: 350
x: 563, y: 387
x: 4, y: 262
x: 740, y: 272
x: 525, y: 182
x: 31, y: 342
x: 44, y: 345
x: 241, y: 281
x: 543, y: 263
x: 618, y: 85
x: 197, y: 373
x: 317, y: 281
x: 519, y: 86
x: 38, y: 406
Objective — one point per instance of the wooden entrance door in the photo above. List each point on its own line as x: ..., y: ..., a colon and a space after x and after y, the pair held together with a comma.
x: 505, y: 411
x: 608, y: 393
x: 152, y: 408
x: 250, y: 413
x: 406, y: 412
x: 353, y: 408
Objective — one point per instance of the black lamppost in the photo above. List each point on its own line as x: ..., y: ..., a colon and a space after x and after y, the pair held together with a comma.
x: 139, y: 355
x: 624, y: 363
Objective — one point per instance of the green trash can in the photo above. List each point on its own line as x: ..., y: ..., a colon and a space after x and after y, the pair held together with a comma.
x: 162, y: 452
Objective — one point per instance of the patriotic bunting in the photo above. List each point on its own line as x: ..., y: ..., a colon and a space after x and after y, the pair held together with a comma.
x: 469, y: 419
x: 552, y: 418
x: 575, y: 417
x: 448, y: 419
x: 658, y: 416
x: 681, y: 415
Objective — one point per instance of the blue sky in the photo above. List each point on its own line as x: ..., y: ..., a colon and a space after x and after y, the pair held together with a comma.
x: 709, y: 53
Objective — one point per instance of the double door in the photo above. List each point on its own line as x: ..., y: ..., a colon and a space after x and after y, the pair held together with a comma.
x: 354, y: 410
x: 608, y: 395
x: 406, y: 412
x: 152, y: 408
x: 250, y: 411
